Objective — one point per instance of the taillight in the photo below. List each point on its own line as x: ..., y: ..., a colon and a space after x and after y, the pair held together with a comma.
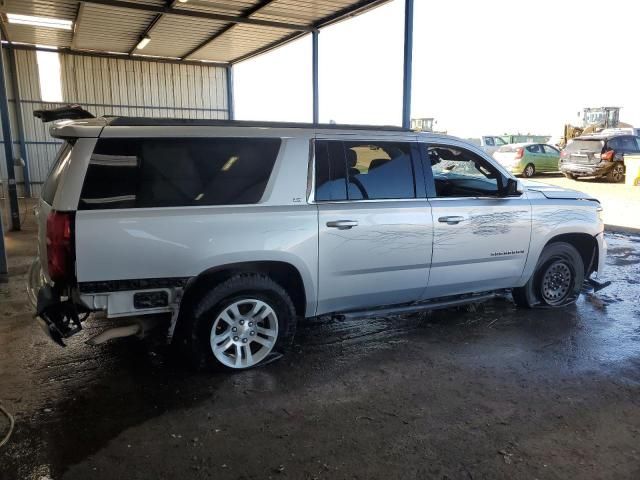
x: 608, y: 156
x: 564, y: 154
x: 519, y: 153
x: 60, y: 226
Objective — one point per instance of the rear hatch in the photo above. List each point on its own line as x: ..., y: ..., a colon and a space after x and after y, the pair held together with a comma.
x: 583, y: 151
x: 506, y: 154
x: 45, y: 204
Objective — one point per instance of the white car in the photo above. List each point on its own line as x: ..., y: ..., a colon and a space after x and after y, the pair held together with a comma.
x: 237, y: 229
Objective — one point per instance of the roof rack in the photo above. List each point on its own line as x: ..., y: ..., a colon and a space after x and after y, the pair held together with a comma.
x: 157, y: 122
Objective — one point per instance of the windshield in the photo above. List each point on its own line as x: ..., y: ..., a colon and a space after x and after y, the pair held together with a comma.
x: 584, y: 146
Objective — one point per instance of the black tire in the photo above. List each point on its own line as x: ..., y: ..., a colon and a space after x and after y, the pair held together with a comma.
x: 529, y: 171
x: 195, y: 328
x: 570, y: 176
x: 616, y: 174
x: 556, y: 260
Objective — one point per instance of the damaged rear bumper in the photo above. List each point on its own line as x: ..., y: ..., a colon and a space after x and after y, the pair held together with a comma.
x: 60, y: 317
x: 58, y: 313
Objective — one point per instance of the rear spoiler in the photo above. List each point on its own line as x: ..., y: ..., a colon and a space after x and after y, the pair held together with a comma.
x: 68, y: 112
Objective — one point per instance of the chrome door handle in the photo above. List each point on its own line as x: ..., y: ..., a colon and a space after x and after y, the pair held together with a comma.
x: 342, y: 224
x: 451, y: 220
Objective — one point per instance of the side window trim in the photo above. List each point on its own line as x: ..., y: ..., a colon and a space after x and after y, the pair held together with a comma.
x: 429, y: 182
x: 419, y: 187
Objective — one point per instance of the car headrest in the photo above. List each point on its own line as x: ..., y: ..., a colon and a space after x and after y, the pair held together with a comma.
x: 377, y: 162
x: 434, y: 157
x: 352, y: 158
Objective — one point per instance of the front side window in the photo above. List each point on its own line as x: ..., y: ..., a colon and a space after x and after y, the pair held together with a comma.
x: 458, y: 172
x: 549, y: 150
x: 176, y: 172
x: 368, y: 171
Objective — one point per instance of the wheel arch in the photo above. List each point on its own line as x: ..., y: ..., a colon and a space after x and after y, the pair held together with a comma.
x: 284, y: 273
x: 586, y: 245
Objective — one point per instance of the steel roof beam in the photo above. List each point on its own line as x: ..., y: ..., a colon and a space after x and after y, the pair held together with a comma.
x: 116, y: 56
x: 3, y: 29
x: 250, y: 11
x: 76, y: 21
x: 200, y: 14
x: 343, y: 14
x: 153, y: 23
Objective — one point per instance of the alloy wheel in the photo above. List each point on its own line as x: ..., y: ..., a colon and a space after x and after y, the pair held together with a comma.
x: 529, y: 171
x: 617, y: 173
x: 244, y: 333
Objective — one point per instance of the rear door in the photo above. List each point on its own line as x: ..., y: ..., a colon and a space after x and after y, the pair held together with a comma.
x: 552, y: 156
x: 375, y: 228
x: 481, y: 239
x: 624, y: 145
x: 536, y: 156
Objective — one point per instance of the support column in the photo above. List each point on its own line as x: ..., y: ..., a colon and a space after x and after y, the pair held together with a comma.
x: 230, y: 111
x: 8, y: 150
x: 407, y: 67
x: 314, y: 75
x: 13, y: 67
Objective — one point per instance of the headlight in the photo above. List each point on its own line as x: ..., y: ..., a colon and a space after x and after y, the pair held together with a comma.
x: 600, y: 211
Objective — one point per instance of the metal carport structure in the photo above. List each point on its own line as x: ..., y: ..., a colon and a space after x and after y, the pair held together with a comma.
x: 194, y: 33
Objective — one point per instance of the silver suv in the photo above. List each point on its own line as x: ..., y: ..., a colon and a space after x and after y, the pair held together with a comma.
x: 239, y: 229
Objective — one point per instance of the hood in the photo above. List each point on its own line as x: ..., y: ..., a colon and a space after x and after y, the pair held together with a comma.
x: 554, y: 192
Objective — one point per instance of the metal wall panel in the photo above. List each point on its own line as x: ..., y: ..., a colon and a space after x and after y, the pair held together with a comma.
x: 108, y: 86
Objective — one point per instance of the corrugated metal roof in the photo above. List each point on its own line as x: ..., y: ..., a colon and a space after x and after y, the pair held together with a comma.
x: 209, y: 30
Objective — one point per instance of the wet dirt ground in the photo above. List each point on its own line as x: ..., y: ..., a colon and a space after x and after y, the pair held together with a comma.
x: 490, y: 392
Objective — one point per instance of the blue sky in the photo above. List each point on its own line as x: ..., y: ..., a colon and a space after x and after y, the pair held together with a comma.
x: 487, y: 67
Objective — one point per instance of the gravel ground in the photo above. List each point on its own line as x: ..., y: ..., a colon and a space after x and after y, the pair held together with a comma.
x: 484, y: 392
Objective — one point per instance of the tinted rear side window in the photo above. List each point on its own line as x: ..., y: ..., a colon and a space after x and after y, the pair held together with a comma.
x: 51, y: 184
x: 176, y: 172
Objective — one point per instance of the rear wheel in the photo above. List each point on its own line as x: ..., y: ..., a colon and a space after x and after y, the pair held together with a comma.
x: 529, y: 171
x: 616, y: 174
x: 570, y: 176
x: 239, y: 324
x: 557, y: 278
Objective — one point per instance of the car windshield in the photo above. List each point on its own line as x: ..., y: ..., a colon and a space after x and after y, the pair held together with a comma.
x: 594, y: 145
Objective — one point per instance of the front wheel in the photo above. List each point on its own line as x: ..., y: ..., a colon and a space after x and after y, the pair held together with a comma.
x: 239, y: 324
x: 570, y: 176
x: 557, y: 278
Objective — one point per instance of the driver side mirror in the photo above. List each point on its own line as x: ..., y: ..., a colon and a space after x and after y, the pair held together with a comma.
x: 513, y: 188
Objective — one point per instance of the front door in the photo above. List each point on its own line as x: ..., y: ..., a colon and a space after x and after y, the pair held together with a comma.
x: 374, y: 233
x: 481, y: 239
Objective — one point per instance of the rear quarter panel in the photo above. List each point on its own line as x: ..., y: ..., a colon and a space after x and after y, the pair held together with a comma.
x: 179, y: 242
